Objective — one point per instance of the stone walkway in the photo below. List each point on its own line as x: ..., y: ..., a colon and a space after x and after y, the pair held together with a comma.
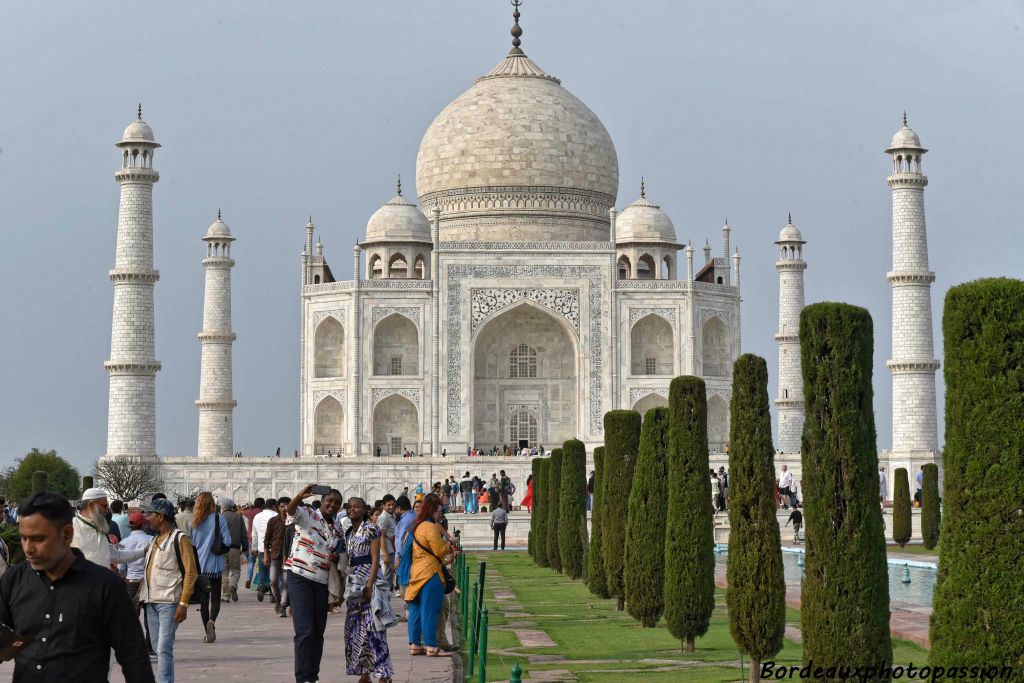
x: 254, y: 644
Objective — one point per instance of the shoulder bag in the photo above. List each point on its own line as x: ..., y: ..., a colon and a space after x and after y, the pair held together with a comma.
x: 218, y: 547
x: 202, y: 584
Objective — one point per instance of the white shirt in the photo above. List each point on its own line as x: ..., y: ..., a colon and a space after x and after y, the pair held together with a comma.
x: 97, y: 547
x: 315, y: 539
x: 259, y: 528
x: 787, y: 480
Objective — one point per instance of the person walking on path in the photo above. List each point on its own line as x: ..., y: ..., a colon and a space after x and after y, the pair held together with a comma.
x: 319, y: 543
x: 430, y: 543
x: 239, y: 544
x: 209, y: 534
x: 250, y: 514
x: 274, y: 554
x: 92, y: 533
x: 786, y: 488
x: 366, y: 644
x: 883, y: 486
x: 388, y: 526
x: 797, y: 518
x: 499, y: 520
x: 97, y: 614
x: 261, y: 580
x: 167, y: 585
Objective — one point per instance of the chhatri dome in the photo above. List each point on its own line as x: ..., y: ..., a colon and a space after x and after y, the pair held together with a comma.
x: 398, y: 220
x: 518, y: 157
x: 138, y: 131
x: 644, y: 221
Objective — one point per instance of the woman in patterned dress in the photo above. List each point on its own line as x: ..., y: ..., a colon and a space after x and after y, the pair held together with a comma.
x: 366, y: 650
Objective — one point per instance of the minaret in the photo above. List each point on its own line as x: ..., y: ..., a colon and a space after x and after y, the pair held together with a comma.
x: 215, y: 404
x: 131, y: 417
x: 790, y: 400
x: 727, y: 278
x: 913, y: 363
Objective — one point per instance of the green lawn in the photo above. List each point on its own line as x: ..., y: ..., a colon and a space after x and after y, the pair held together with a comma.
x: 912, y: 550
x: 601, y: 645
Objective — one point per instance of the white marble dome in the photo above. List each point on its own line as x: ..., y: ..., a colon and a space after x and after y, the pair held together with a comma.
x: 519, y: 157
x: 219, y: 230
x: 905, y: 138
x: 644, y: 221
x: 399, y: 221
x: 789, y: 233
x: 138, y: 131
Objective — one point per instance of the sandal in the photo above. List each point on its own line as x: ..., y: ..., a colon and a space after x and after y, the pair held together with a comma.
x: 415, y: 650
x: 435, y: 652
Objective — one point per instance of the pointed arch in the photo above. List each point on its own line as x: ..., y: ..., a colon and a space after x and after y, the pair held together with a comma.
x: 395, y: 425
x: 375, y: 268
x: 624, y: 268
x: 329, y: 349
x: 651, y: 400
x: 396, y: 346
x: 645, y: 267
x: 398, y: 266
x: 715, y: 348
x: 652, y: 346
x: 718, y: 423
x: 328, y: 427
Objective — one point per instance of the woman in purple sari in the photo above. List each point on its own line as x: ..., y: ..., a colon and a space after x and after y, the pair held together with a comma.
x: 366, y: 648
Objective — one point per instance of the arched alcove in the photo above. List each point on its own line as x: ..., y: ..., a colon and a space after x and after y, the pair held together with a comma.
x: 624, y: 267
x: 649, y: 401
x: 395, y: 347
x: 718, y: 423
x: 328, y: 427
x: 376, y: 270
x: 398, y: 267
x: 645, y: 267
x: 329, y: 343
x: 715, y: 349
x: 395, y: 426
x: 651, y: 347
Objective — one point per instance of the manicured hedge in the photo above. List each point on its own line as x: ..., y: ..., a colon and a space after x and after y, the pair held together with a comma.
x: 689, y: 533
x: 931, y: 516
x: 572, y: 509
x: 622, y: 444
x: 597, y: 580
x: 845, y: 597
x: 540, y: 512
x: 901, y: 507
x: 978, y: 616
x: 551, y: 491
x: 757, y: 587
x: 644, y: 557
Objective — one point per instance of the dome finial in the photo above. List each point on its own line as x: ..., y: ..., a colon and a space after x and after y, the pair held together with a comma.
x: 399, y: 184
x: 789, y: 218
x: 140, y: 111
x: 517, y: 31
x: 904, y: 117
x: 218, y: 213
x: 643, y: 190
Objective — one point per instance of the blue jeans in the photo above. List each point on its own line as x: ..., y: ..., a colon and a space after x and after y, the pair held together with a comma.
x: 309, y: 618
x: 424, y: 611
x: 160, y: 617
x: 252, y: 566
x: 467, y: 501
x: 262, y: 577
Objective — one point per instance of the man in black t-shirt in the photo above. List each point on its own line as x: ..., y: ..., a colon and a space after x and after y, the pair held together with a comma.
x: 797, y: 518
x: 466, y: 489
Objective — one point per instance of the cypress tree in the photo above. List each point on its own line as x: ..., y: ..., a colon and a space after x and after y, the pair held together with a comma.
x: 40, y: 481
x: 540, y: 512
x: 930, y: 513
x: 86, y: 483
x: 901, y: 507
x: 689, y: 533
x: 534, y: 470
x: 757, y: 588
x: 572, y: 509
x: 977, y: 618
x: 643, y: 569
x: 597, y: 580
x: 845, y: 598
x: 551, y: 502
x: 621, y: 444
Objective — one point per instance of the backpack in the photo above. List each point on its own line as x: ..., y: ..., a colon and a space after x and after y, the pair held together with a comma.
x: 202, y: 584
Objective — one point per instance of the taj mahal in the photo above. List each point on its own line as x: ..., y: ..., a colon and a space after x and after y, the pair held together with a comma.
x: 510, y: 303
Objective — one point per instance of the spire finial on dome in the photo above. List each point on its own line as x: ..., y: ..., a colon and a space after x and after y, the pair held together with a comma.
x: 140, y: 111
x: 311, y: 219
x: 218, y: 213
x: 643, y: 190
x: 789, y: 218
x: 904, y: 117
x: 399, y: 184
x: 517, y: 31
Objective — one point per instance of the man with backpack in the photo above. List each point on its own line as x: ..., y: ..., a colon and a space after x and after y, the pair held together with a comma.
x: 505, y: 490
x: 172, y: 567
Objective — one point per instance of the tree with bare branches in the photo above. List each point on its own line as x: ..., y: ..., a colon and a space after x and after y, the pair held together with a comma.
x: 128, y: 478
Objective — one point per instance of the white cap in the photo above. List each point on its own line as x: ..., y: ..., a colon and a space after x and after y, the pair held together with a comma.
x: 94, y: 494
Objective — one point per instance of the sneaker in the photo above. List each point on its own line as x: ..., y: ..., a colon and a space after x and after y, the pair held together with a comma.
x: 277, y: 609
x: 260, y: 594
x: 211, y: 632
x: 284, y: 614
x: 248, y: 583
x: 234, y: 595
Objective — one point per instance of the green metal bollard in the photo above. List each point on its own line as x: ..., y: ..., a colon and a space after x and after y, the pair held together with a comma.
x: 483, y: 647
x: 472, y: 639
x: 465, y: 602
x: 478, y: 604
x: 517, y: 674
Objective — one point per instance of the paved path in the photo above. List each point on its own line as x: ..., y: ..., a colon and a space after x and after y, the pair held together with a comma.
x: 254, y: 644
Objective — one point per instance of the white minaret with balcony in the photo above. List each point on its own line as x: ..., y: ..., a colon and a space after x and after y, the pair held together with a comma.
x: 132, y: 368
x: 913, y: 363
x: 789, y: 403
x: 216, y: 404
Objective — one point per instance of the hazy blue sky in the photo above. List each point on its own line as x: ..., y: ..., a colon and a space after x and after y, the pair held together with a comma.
x: 276, y: 110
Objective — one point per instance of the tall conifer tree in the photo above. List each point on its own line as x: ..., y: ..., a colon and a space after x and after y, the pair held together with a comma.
x: 540, y: 512
x: 622, y: 444
x: 757, y: 587
x: 978, y: 618
x: 597, y: 580
x: 552, y: 490
x: 689, y: 534
x: 534, y: 471
x: 931, y: 516
x: 901, y: 507
x: 572, y: 509
x: 845, y: 597
x: 644, y: 558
